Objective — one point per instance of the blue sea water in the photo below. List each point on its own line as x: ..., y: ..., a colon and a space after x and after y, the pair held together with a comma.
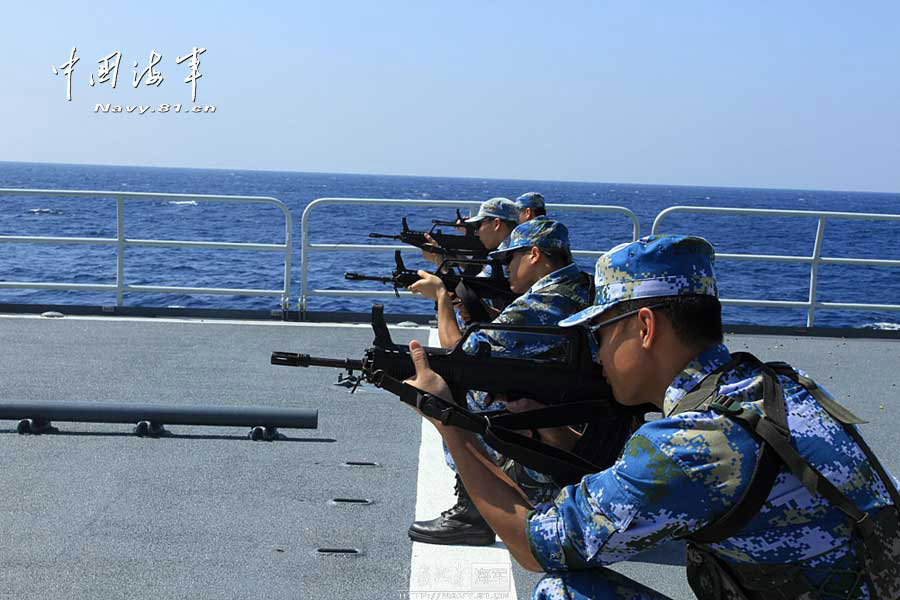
x: 90, y: 217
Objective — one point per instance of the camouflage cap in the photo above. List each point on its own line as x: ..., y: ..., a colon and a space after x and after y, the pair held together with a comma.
x: 543, y: 233
x: 530, y: 200
x: 655, y: 266
x: 499, y: 208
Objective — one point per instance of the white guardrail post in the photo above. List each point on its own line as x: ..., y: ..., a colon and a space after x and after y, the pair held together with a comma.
x: 814, y: 261
x: 307, y: 247
x: 121, y: 242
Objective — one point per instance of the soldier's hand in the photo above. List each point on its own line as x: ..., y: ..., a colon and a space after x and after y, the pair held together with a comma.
x: 426, y: 379
x: 429, y: 285
x: 461, y: 309
x: 522, y: 404
x: 432, y: 257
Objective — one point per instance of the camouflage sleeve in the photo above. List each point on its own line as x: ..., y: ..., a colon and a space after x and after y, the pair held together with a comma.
x: 657, y: 491
x: 517, y: 313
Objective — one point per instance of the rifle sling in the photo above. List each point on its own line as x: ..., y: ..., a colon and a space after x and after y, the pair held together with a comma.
x: 496, y: 431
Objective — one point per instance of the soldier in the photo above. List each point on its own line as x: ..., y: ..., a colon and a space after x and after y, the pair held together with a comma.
x: 496, y: 219
x: 531, y: 206
x: 540, y: 267
x: 759, y: 469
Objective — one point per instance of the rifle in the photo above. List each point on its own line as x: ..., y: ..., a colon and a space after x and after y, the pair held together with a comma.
x: 569, y: 382
x: 446, y: 244
x: 459, y: 222
x: 471, y: 290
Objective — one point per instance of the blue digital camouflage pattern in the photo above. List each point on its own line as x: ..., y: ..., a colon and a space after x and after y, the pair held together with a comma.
x: 550, y: 299
x: 679, y: 473
x: 530, y: 200
x: 499, y: 208
x: 653, y: 266
x: 543, y: 233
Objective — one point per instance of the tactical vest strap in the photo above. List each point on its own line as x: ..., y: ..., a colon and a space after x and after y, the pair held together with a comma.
x: 772, y: 429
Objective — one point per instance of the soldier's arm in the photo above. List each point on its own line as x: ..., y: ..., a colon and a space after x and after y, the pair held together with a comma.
x: 658, y: 491
x: 432, y: 287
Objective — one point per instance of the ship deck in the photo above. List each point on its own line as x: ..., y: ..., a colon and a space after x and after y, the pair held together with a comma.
x: 97, y: 512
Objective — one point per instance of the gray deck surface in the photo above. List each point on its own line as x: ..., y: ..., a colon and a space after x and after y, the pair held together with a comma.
x: 95, y: 512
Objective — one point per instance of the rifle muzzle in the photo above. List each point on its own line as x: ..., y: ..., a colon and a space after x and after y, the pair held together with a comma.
x: 291, y: 359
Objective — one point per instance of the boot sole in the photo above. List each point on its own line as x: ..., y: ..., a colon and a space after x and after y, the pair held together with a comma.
x: 462, y: 539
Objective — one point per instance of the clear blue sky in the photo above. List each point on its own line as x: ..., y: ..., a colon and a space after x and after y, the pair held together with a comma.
x: 756, y: 94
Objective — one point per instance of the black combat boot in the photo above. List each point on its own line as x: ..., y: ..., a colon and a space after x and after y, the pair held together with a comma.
x: 462, y: 524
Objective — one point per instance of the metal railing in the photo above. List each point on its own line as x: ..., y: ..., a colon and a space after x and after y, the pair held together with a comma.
x: 307, y: 247
x: 816, y: 259
x: 121, y: 242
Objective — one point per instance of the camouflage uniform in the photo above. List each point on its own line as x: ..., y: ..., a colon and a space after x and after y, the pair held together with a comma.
x: 681, y: 472
x: 550, y: 299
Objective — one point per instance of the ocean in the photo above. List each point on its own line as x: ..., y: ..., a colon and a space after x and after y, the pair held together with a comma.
x: 89, y: 217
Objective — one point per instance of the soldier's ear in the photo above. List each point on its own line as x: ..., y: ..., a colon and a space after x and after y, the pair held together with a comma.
x: 534, y: 255
x: 648, y: 322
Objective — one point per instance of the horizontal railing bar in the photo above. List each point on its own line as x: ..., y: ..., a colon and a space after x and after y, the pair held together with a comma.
x: 40, y: 239
x: 145, y: 243
x: 206, y: 245
x: 408, y: 249
x: 803, y: 304
x: 809, y: 259
x: 101, y: 287
x: 161, y: 289
x: 40, y: 285
x: 360, y: 293
x: 140, y: 195
x: 771, y: 212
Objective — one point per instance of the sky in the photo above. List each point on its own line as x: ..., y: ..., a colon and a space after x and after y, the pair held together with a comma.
x: 751, y: 94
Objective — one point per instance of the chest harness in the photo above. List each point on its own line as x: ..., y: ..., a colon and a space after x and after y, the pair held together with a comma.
x: 874, y: 557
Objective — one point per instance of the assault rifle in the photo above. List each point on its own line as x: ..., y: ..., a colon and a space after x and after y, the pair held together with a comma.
x: 471, y: 290
x: 446, y: 244
x: 566, y: 379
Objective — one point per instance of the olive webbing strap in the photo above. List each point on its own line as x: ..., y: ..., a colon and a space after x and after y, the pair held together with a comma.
x: 848, y: 420
x: 758, y: 489
x: 774, y: 430
x: 534, y: 454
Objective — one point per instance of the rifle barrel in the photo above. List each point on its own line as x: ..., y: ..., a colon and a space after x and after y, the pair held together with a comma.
x: 384, y: 236
x: 361, y: 277
x: 291, y: 359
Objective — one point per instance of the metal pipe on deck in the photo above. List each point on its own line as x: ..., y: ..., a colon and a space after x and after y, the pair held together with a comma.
x: 110, y: 412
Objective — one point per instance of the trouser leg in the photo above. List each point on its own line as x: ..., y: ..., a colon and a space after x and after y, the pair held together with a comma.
x: 596, y: 584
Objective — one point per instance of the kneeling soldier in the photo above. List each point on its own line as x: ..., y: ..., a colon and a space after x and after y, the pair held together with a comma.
x: 761, y: 470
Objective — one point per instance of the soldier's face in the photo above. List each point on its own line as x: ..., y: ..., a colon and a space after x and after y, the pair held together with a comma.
x: 618, y: 352
x: 521, y: 269
x: 490, y: 232
x: 524, y: 215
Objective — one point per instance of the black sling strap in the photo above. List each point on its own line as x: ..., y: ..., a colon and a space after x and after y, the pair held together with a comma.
x: 500, y: 433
